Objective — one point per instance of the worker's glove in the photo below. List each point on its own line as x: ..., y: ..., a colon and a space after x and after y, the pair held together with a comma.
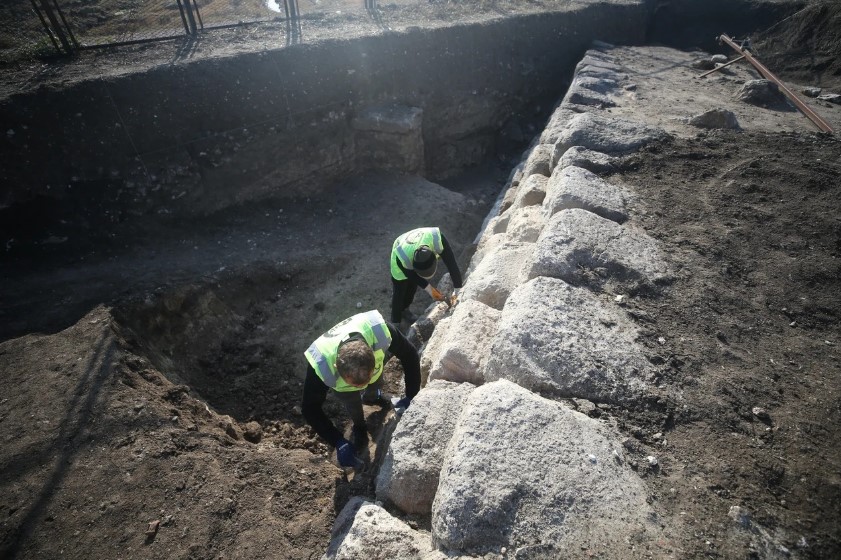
x: 346, y: 454
x: 401, y: 405
x: 434, y: 293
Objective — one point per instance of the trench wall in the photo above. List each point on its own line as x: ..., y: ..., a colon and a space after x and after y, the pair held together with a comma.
x: 199, y: 136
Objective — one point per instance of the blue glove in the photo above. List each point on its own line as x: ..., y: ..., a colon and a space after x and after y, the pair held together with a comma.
x: 401, y: 405
x: 346, y: 454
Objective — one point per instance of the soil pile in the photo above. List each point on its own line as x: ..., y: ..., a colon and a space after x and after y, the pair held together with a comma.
x: 805, y: 47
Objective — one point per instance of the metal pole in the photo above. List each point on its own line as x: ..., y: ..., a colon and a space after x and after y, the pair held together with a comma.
x: 805, y: 109
x: 66, y: 25
x: 46, y: 26
x: 183, y: 17
x: 198, y: 15
x: 189, y: 11
x: 56, y: 27
x: 717, y: 68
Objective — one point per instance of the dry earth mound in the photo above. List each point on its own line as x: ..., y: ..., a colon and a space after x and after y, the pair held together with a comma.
x: 805, y: 47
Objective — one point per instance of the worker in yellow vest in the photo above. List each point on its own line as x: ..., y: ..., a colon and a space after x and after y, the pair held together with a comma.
x: 414, y: 260
x: 348, y: 359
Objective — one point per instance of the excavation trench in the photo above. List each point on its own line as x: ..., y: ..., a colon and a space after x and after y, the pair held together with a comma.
x: 226, y: 230
x: 226, y: 246
x: 236, y: 336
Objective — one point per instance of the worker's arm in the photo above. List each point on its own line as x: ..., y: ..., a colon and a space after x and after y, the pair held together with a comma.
x: 315, y: 393
x: 449, y: 259
x: 408, y: 356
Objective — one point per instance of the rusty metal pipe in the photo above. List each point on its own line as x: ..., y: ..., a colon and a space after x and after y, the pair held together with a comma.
x: 725, y: 65
x: 805, y: 109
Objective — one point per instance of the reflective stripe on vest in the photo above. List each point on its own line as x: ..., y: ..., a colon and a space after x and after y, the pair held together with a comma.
x: 403, y: 256
x: 322, y: 368
x: 377, y: 324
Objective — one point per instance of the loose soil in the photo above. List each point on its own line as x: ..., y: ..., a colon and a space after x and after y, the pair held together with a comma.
x: 152, y: 372
x: 748, y: 339
x: 178, y: 400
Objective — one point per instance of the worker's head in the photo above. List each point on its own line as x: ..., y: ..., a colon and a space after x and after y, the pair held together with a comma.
x: 355, y: 362
x: 425, y: 262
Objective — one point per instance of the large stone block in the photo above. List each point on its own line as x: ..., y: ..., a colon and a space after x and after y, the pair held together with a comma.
x: 489, y: 243
x: 499, y: 272
x: 559, y: 121
x: 591, y: 90
x: 525, y: 224
x: 575, y: 187
x: 596, y: 59
x: 365, y: 530
x: 538, y: 161
x: 597, y: 162
x: 408, y: 477
x: 606, y: 134
x: 561, y: 339
x: 466, y: 344
x: 509, y: 197
x: 584, y: 249
x: 532, y: 191
x: 533, y: 476
x: 429, y: 352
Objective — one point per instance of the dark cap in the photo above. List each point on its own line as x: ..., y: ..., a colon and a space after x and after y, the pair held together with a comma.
x: 425, y: 262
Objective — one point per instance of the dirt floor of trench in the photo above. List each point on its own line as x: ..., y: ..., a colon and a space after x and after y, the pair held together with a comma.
x: 172, y: 342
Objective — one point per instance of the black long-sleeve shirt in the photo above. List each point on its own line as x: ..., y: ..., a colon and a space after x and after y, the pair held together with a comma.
x: 449, y: 259
x: 315, y: 391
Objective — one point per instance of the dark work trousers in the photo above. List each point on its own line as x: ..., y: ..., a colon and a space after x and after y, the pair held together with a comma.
x: 402, y: 296
x: 352, y: 400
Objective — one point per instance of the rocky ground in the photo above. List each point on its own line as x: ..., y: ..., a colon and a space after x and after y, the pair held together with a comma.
x: 151, y: 376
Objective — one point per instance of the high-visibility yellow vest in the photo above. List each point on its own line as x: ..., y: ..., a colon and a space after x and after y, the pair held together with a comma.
x: 321, y: 354
x: 405, y: 246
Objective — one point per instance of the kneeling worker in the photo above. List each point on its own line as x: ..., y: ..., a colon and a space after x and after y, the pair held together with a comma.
x: 414, y: 260
x: 349, y: 359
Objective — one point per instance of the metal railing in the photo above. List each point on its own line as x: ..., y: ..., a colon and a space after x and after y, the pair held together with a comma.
x: 43, y: 27
x: 48, y: 27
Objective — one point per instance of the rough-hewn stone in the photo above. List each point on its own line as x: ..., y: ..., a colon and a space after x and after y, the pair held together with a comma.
x: 537, y: 478
x: 582, y: 248
x: 366, y: 530
x: 498, y: 273
x: 597, y: 162
x: 606, y: 134
x: 575, y: 187
x: 408, y: 477
x: 558, y: 338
